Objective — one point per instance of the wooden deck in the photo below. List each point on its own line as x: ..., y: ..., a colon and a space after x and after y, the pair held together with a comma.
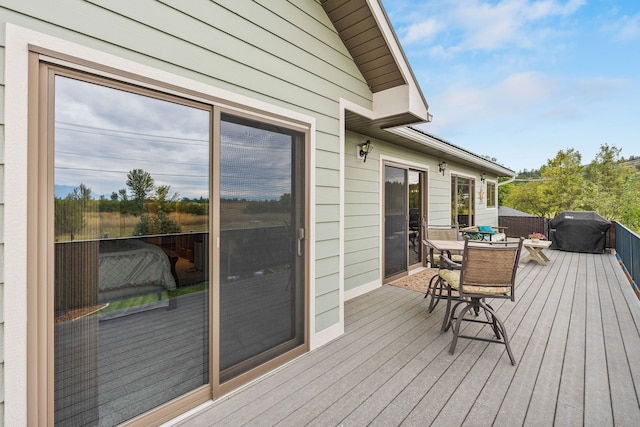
x: 574, y: 330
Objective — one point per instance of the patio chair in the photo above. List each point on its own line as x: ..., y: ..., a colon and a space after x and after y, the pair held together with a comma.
x: 439, y: 232
x: 488, y: 270
x: 442, y: 232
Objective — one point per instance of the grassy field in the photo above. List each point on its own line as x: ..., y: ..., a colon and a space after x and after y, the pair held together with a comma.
x: 103, y: 225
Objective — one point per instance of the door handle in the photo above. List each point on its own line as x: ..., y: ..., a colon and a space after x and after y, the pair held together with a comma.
x: 300, y: 239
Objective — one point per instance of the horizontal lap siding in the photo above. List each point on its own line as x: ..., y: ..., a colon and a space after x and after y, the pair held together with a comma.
x: 2, y: 233
x: 283, y: 53
x: 361, y: 216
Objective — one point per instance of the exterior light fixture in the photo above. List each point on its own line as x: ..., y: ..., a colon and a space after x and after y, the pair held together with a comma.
x: 364, y: 149
x: 483, y: 177
x: 442, y: 166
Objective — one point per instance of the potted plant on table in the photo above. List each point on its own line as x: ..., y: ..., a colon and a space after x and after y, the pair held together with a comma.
x: 536, y: 237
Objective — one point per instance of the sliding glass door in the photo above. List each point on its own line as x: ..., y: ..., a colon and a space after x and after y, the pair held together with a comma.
x: 404, y: 203
x: 177, y: 233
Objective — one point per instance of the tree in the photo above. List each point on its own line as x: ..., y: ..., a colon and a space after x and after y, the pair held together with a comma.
x: 608, y: 185
x: 69, y: 212
x: 157, y: 223
x: 162, y: 198
x: 562, y: 183
x: 141, y: 185
x: 629, y: 213
x: 526, y: 197
x: 606, y: 177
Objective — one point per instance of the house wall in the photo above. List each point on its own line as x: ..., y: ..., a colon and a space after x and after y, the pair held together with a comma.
x: 284, y: 54
x: 363, y: 206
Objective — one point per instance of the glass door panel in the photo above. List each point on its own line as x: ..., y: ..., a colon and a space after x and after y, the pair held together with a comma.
x: 395, y: 221
x: 131, y: 292
x: 261, y: 243
x: 415, y: 216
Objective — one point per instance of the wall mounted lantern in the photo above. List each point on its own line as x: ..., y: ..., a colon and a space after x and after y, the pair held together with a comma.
x: 483, y: 177
x: 364, y: 149
x: 442, y: 166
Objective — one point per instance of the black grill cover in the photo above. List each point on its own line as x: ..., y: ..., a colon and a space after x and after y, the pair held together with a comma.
x: 577, y: 231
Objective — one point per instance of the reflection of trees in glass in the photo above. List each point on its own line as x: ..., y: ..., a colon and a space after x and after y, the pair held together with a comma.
x: 156, y: 220
x: 156, y: 223
x: 463, y: 196
x: 265, y: 206
x: 462, y: 200
x: 108, y: 216
x: 141, y: 184
x: 395, y: 197
x: 414, y: 195
x: 69, y: 212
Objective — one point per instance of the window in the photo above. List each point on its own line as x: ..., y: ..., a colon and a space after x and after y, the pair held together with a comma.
x: 491, y: 194
x: 462, y: 200
x: 144, y: 311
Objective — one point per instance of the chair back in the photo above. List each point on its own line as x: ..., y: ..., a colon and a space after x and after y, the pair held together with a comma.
x: 442, y: 232
x: 489, y: 265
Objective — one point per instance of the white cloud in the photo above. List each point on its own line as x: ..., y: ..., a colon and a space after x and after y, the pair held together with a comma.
x: 525, y: 96
x: 626, y: 29
x: 424, y: 31
x: 482, y: 25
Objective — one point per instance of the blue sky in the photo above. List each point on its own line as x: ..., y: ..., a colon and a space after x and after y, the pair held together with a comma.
x: 520, y: 80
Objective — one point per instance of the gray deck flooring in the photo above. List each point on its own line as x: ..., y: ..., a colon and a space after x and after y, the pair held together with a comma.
x: 574, y: 330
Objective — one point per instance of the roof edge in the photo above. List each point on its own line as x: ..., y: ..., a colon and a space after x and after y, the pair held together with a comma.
x: 451, y: 150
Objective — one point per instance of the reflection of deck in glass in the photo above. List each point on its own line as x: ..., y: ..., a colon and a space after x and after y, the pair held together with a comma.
x: 108, y: 371
x: 111, y: 368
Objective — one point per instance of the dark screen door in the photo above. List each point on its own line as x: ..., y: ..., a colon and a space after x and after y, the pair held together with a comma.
x: 395, y: 220
x: 261, y: 243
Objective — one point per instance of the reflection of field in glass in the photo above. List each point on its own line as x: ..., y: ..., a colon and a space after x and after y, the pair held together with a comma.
x: 234, y: 216
x: 108, y: 225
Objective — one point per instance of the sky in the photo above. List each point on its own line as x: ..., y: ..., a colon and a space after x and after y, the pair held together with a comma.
x: 520, y: 80
x: 102, y: 133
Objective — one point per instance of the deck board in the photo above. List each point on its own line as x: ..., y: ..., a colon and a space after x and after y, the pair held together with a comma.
x: 574, y: 329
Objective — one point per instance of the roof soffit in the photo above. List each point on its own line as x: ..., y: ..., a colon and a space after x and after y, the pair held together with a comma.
x: 366, y: 32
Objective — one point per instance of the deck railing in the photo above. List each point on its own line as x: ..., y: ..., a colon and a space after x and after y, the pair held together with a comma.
x: 628, y: 251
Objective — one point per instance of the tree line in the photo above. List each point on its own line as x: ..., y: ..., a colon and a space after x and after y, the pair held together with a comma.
x: 144, y: 200
x: 608, y: 185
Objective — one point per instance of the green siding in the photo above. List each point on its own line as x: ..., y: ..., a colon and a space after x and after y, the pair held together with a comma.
x: 362, y: 215
x: 284, y: 53
x: 327, y: 319
x: 328, y: 177
x: 326, y: 213
x: 326, y: 284
x: 2, y: 142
